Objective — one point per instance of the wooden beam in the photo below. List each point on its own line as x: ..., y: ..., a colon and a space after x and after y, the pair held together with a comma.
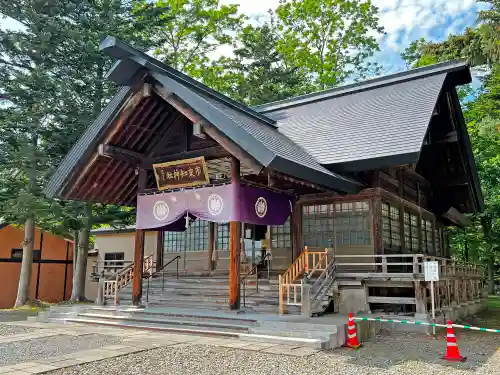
x: 145, y: 162
x: 376, y: 178
x: 210, y: 130
x: 296, y: 228
x: 249, y: 162
x: 234, y: 247
x: 126, y: 111
x: 118, y: 153
x: 446, y: 138
x: 298, y: 181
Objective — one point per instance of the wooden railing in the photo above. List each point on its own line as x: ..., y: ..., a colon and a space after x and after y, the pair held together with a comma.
x: 290, y: 291
x: 121, y: 279
x: 404, y: 264
x: 307, y: 261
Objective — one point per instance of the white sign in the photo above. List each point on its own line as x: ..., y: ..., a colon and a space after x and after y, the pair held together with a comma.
x: 431, y: 271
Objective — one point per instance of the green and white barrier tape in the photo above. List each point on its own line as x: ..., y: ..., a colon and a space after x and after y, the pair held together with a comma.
x: 426, y: 324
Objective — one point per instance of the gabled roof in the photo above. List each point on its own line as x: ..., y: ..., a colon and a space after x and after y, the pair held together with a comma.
x: 251, y: 131
x: 375, y: 119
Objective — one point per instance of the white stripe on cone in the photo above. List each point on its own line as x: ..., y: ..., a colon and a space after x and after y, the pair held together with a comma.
x: 452, y: 344
x: 451, y: 335
x: 351, y: 336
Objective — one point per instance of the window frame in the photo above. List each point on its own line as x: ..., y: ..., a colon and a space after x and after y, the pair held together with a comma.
x: 281, y: 235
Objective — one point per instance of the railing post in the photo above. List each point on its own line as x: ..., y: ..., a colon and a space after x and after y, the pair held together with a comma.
x: 415, y: 264
x: 256, y: 280
x: 244, y: 293
x: 178, y: 268
x: 280, y: 288
x: 384, y: 264
x: 100, y: 290
x: 305, y: 298
x: 162, y: 280
x: 116, y: 288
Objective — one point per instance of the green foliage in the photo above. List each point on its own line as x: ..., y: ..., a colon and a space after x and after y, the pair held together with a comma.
x: 257, y: 73
x: 478, y: 46
x: 329, y: 40
x: 186, y: 31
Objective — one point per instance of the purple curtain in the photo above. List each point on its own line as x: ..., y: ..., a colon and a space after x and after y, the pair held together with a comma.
x: 219, y: 204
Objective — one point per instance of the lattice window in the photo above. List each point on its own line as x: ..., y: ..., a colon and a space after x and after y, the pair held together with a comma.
x: 196, y: 238
x: 281, y: 235
x: 391, y: 226
x: 318, y: 225
x: 411, y: 231
x: 439, y: 242
x: 352, y: 223
x: 427, y: 236
x: 174, y: 242
x: 222, y: 236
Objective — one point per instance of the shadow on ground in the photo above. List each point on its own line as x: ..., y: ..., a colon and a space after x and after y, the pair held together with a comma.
x: 389, y: 349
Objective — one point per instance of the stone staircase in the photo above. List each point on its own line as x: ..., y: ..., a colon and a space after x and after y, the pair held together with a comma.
x: 252, y: 327
x: 206, y: 292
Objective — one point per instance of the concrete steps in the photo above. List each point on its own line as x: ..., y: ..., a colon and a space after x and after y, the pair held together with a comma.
x: 245, y: 327
x: 204, y: 292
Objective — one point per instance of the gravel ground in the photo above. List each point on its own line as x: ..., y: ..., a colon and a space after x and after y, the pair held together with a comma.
x: 6, y: 330
x: 395, y: 354
x: 28, y: 350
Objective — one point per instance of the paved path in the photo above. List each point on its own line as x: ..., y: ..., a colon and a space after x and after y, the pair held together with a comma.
x: 130, y: 341
x: 146, y: 352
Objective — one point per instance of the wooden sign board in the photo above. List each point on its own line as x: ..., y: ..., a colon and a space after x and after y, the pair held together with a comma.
x: 181, y: 173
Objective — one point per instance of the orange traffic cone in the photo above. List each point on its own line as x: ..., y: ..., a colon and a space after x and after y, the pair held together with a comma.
x: 352, y: 336
x: 452, y: 352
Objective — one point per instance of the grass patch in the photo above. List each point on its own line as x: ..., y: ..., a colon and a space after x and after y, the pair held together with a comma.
x: 32, y: 305
x: 494, y: 302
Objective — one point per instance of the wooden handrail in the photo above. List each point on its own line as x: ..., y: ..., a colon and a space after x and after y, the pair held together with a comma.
x: 121, y: 279
x: 307, y: 261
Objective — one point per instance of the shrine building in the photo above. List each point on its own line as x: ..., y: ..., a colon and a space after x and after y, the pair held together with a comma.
x: 336, y: 197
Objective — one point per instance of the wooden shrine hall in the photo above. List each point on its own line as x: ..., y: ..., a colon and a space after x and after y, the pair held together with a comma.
x: 371, y: 173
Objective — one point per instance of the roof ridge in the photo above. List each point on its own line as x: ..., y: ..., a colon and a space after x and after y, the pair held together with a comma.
x: 124, y: 50
x: 399, y: 77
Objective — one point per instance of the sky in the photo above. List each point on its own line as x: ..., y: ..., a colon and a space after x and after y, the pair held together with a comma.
x: 403, y: 20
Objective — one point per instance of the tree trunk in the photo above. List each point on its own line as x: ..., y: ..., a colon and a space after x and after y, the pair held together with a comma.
x: 491, y: 275
x: 27, y: 263
x: 486, y: 224
x: 75, y: 251
x: 29, y: 232
x: 80, y: 275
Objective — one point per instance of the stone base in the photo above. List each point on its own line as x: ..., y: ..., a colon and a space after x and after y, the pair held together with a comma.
x: 353, y: 300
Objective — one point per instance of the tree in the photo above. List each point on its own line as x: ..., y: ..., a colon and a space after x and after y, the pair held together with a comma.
x: 84, y: 70
x: 329, y: 39
x: 27, y: 83
x: 186, y: 31
x: 257, y: 73
x: 479, y: 46
x: 52, y: 86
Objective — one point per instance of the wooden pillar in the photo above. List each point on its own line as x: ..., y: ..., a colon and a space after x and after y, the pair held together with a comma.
x: 401, y: 206
x: 378, y: 239
x: 160, y: 247
x: 270, y: 183
x: 420, y: 249
x: 138, y: 250
x: 211, y: 245
x: 296, y: 229
x: 138, y: 267
x: 234, y: 247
